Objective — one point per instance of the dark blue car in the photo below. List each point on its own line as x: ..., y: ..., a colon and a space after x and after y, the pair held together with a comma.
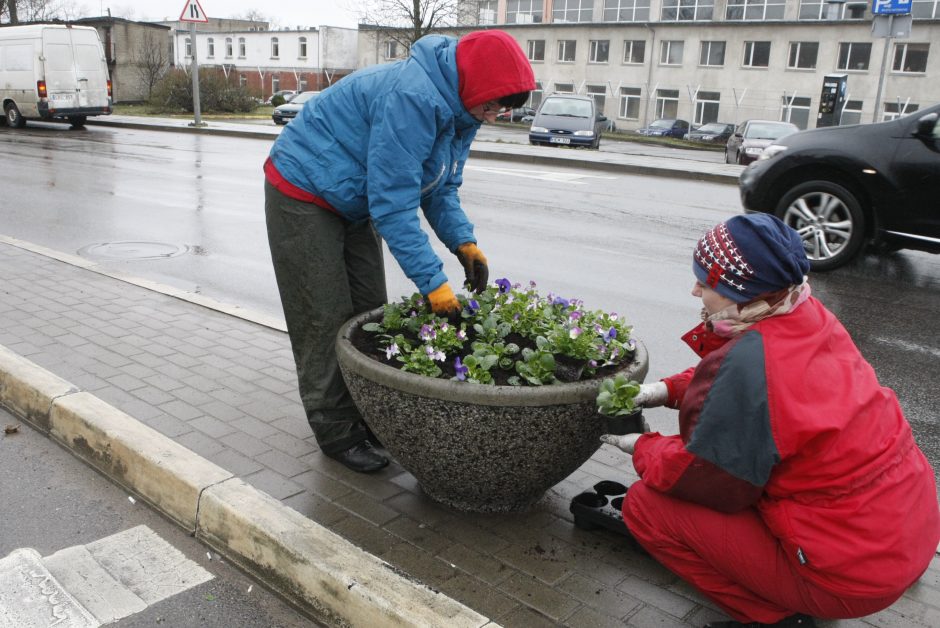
x: 666, y: 127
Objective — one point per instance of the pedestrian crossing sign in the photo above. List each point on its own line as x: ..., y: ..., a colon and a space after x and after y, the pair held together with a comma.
x: 192, y: 12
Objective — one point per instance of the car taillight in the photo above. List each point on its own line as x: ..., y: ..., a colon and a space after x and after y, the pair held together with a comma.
x: 41, y: 88
x: 109, y: 88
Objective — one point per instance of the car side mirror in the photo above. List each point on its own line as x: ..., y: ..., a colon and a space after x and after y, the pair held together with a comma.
x: 738, y: 135
x: 925, y: 126
x: 602, y: 118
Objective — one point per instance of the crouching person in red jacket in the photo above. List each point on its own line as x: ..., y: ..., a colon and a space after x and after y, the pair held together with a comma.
x: 794, y: 488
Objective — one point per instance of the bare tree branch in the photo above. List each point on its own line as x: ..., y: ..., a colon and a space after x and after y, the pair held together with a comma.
x: 407, y: 21
x: 151, y: 59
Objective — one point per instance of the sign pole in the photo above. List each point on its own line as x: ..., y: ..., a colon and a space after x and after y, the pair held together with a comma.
x: 884, y: 68
x: 197, y: 121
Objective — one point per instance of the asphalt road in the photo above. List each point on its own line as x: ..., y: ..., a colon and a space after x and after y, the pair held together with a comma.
x: 187, y: 210
x: 52, y: 502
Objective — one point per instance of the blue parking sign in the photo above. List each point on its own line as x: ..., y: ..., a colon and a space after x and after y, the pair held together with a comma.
x: 890, y: 7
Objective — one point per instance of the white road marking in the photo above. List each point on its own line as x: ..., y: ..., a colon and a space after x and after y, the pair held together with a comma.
x: 909, y: 346
x: 558, y: 177
x: 86, y: 586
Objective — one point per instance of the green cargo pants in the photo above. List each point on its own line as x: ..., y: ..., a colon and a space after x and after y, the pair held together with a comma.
x: 327, y: 270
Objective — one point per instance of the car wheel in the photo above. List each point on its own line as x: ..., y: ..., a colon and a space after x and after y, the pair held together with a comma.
x: 77, y: 122
x: 828, y: 218
x: 13, y: 116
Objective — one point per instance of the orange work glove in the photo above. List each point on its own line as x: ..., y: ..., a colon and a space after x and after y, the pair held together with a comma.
x: 474, y: 265
x: 443, y: 301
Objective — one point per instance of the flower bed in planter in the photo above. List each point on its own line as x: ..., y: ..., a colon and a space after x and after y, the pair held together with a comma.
x: 481, y: 448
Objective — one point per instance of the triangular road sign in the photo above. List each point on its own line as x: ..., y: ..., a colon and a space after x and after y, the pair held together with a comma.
x: 193, y: 12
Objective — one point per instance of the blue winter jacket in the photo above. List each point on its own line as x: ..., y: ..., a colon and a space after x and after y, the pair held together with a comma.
x: 384, y: 141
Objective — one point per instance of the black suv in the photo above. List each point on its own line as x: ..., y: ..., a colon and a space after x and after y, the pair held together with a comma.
x: 847, y: 186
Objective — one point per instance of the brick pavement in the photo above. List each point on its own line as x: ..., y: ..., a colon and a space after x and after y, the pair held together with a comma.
x: 225, y: 388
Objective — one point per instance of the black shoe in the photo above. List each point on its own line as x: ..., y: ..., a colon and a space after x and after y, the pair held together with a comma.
x: 793, y: 621
x: 361, y: 457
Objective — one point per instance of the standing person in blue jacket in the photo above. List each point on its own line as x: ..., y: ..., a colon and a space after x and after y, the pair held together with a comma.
x: 355, y: 167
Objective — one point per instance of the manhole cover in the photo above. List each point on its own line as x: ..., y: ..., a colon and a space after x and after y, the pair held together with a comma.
x: 132, y: 250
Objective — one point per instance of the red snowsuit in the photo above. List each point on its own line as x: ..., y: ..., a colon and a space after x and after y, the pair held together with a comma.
x: 794, y: 484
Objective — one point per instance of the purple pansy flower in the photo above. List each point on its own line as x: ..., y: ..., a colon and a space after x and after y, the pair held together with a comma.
x: 575, y: 315
x: 473, y: 305
x: 574, y: 333
x: 462, y: 370
x: 391, y: 350
x: 504, y: 285
x: 560, y: 301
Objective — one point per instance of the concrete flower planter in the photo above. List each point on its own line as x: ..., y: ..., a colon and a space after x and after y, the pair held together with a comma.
x: 475, y: 447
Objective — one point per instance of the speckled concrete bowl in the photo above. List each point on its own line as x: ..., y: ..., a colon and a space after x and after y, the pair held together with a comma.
x: 474, y: 447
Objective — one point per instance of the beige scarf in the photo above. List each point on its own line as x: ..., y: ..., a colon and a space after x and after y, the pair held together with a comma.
x: 736, y: 318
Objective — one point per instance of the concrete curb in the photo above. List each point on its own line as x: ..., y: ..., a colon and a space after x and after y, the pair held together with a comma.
x: 314, y: 568
x: 656, y: 166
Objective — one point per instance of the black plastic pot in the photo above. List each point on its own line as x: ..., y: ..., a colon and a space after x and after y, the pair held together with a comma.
x: 625, y: 423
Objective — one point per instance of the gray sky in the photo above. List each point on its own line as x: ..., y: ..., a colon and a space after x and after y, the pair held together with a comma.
x: 286, y: 13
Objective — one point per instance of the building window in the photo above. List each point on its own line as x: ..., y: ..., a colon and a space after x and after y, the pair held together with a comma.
x: 854, y: 56
x: 687, y: 10
x: 566, y: 50
x: 803, y: 55
x: 488, y: 12
x: 275, y: 48
x: 391, y: 49
x: 626, y: 10
x: 599, y: 94
x: 756, y: 54
x: 667, y: 103
x: 600, y: 51
x: 242, y: 80
x: 910, y: 57
x: 630, y: 103
x: 189, y: 47
x: 302, y: 48
x: 572, y: 10
x: 228, y: 47
x: 241, y: 47
x: 795, y: 110
x: 895, y: 110
x: 706, y: 107
x: 925, y: 9
x: 535, y: 49
x: 535, y: 96
x: 852, y: 112
x: 758, y: 10
x: 713, y: 53
x: 524, y: 12
x: 210, y: 46
x: 634, y: 51
x: 827, y: 10
x: 670, y: 52
x: 564, y: 88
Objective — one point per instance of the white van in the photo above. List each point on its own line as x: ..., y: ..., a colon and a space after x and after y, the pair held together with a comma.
x: 52, y: 72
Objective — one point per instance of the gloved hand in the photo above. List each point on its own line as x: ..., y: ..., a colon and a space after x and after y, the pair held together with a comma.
x: 443, y: 301
x: 474, y: 265
x: 627, y: 442
x: 652, y: 395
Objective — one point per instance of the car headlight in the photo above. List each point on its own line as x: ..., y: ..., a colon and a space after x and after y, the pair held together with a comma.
x: 538, y: 129
x: 771, y: 151
x: 584, y: 133
x: 753, y: 150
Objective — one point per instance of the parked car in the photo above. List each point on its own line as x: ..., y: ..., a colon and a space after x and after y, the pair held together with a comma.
x: 846, y: 186
x: 752, y: 136
x: 515, y: 115
x: 666, y: 127
x: 287, y: 94
x: 711, y: 133
x: 568, y: 120
x: 285, y: 113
